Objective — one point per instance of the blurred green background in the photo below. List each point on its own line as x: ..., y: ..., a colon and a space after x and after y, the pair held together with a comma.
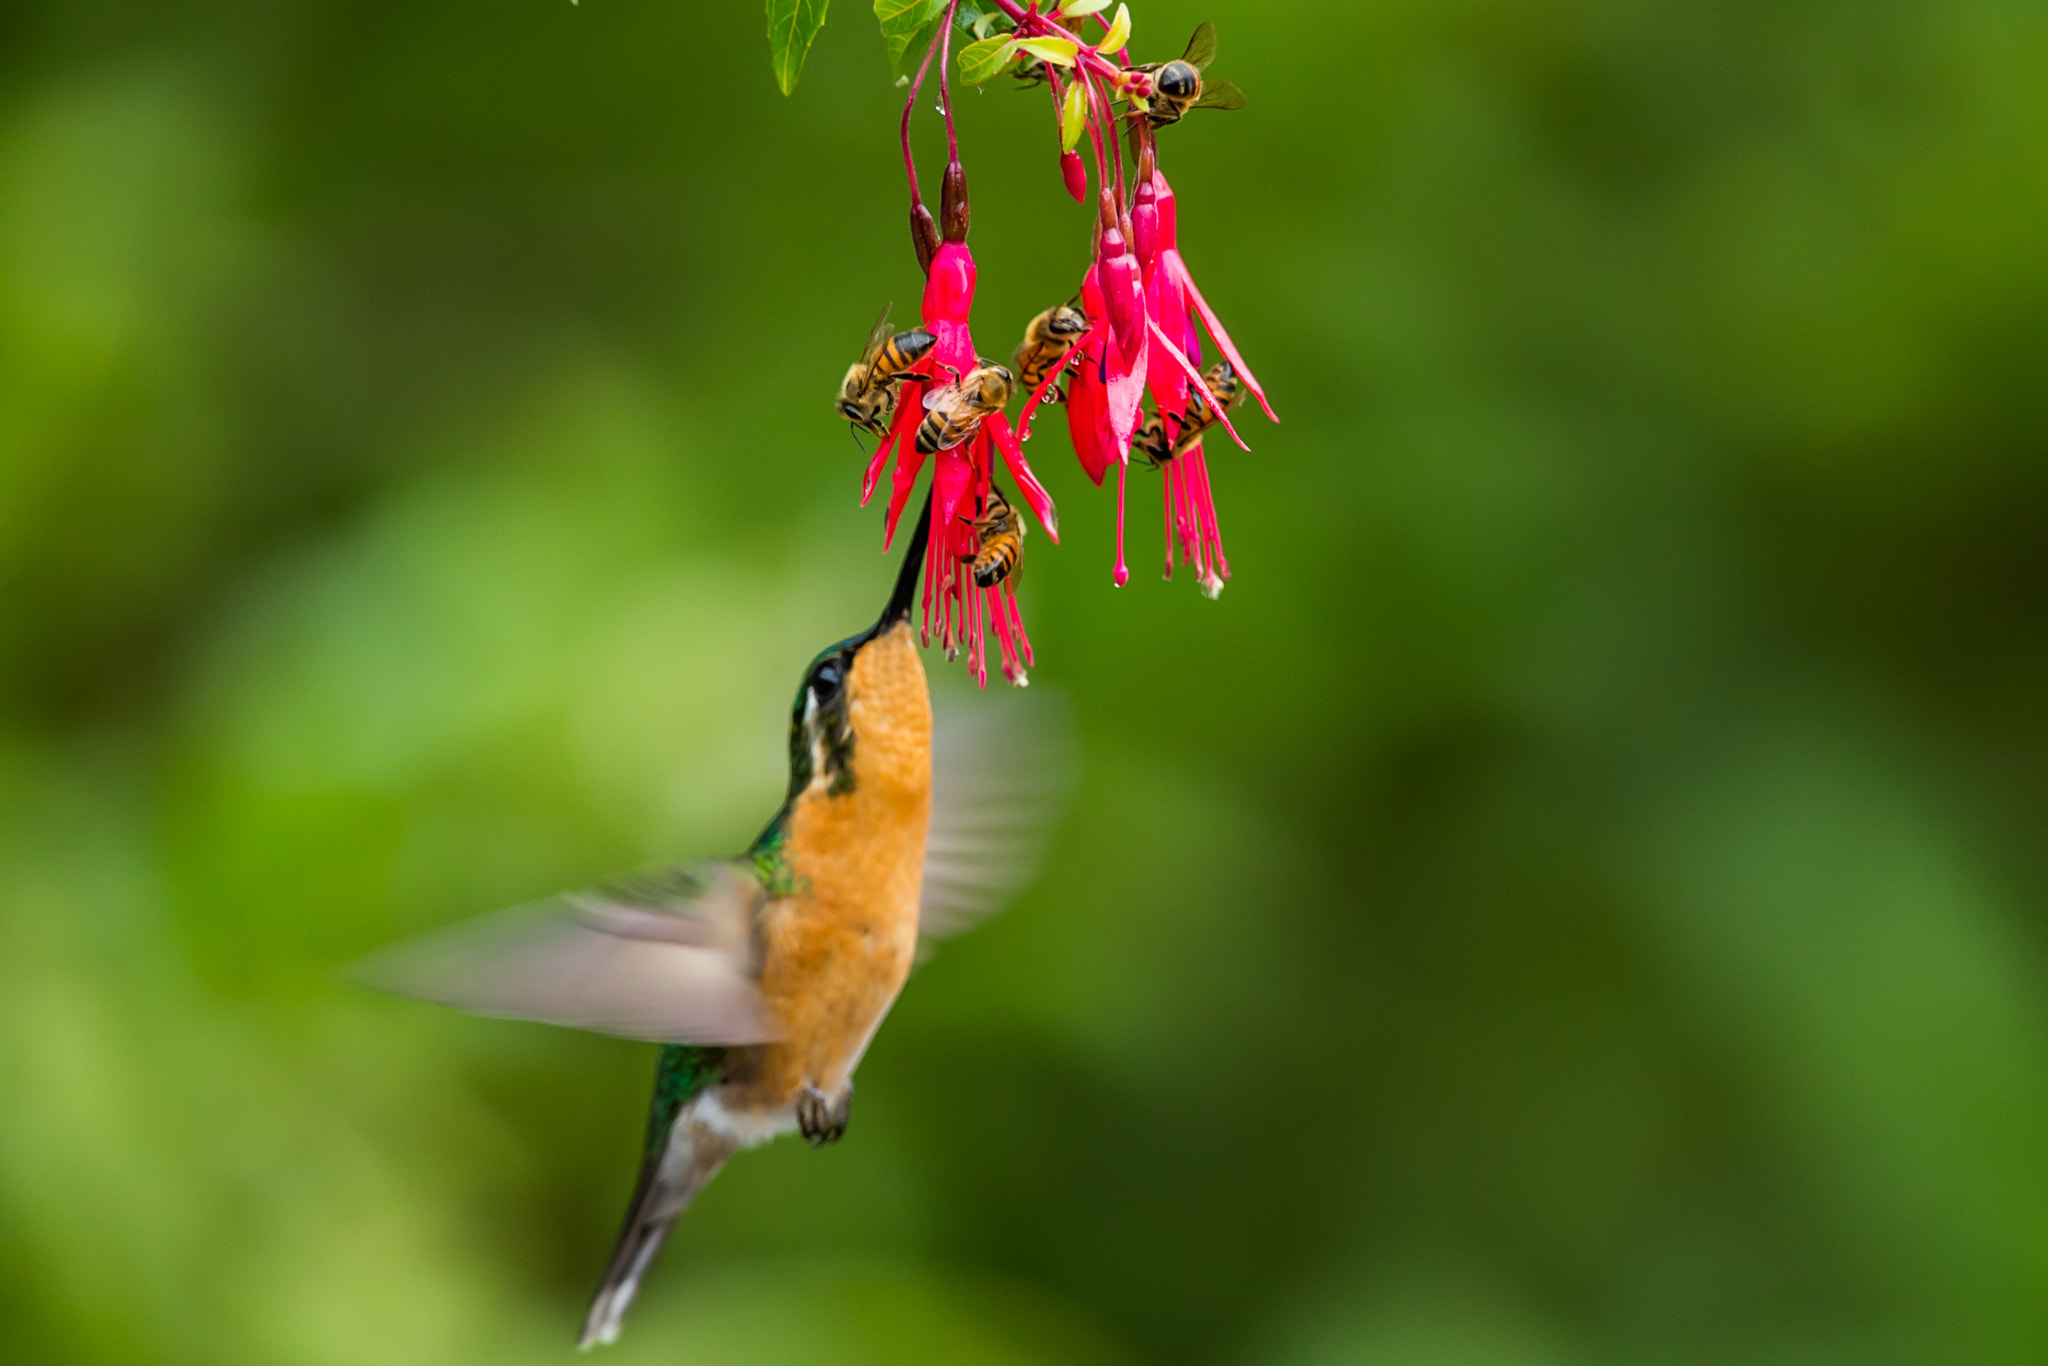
x: 1579, y: 896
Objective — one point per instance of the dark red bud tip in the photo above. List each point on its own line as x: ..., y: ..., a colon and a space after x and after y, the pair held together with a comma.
x: 924, y: 236
x: 953, y: 213
x: 1105, y: 208
x: 1075, y: 173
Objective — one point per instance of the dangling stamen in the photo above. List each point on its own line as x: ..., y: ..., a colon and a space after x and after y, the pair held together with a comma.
x: 1122, y: 574
x: 1166, y: 503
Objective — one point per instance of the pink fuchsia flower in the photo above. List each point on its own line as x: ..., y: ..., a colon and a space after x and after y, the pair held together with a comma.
x: 1104, y: 400
x: 1106, y: 393
x: 1173, y: 305
x: 1170, y: 271
x: 957, y: 612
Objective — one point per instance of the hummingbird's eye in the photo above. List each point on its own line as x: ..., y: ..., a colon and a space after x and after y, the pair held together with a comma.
x: 827, y: 679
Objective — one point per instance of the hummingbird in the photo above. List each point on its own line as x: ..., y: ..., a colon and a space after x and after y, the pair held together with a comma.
x: 766, y: 976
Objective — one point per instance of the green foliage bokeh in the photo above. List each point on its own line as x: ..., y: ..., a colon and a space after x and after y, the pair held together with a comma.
x: 1579, y: 896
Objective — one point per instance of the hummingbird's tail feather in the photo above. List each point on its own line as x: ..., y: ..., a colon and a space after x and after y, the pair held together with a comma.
x: 668, y: 1182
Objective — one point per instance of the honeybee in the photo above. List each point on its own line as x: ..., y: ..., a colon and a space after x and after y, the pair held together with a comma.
x: 953, y: 412
x: 1229, y: 388
x: 999, y: 547
x: 867, y: 396
x: 1047, y: 340
x: 1152, y: 441
x: 1177, y: 86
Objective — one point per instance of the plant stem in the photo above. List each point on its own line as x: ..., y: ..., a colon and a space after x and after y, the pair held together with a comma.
x: 910, y: 162
x: 945, y: 91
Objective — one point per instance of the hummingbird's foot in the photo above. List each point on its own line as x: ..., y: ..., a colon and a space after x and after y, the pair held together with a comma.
x: 819, y: 1120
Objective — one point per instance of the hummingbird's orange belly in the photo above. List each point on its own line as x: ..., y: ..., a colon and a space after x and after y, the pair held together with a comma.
x: 835, y: 952
x: 830, y: 973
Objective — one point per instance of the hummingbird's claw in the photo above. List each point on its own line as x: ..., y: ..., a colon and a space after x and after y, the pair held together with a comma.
x: 819, y: 1120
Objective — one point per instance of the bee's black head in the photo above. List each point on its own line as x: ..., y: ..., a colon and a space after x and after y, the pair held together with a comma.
x: 1178, y: 81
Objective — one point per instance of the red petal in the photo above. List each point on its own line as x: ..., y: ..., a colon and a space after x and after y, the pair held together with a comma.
x: 1045, y: 385
x: 1088, y: 414
x: 1166, y: 305
x: 1195, y: 376
x: 949, y: 288
x: 998, y: 426
x: 1126, y: 398
x: 1172, y: 261
x: 909, y: 460
x: 875, y: 464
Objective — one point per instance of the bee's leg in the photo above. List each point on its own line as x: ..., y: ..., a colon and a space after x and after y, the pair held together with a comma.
x: 820, y: 1120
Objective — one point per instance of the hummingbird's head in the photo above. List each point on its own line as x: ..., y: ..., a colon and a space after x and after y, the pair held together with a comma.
x: 863, y: 716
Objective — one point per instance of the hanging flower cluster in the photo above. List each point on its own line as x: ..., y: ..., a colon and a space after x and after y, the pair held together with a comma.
x: 1137, y: 331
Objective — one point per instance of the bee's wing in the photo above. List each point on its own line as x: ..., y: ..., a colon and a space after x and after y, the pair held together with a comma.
x: 999, y: 770
x: 665, y: 956
x: 878, y: 334
x: 1219, y: 95
x: 1202, y: 47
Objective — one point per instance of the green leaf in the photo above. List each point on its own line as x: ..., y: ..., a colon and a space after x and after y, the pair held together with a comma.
x: 1073, y: 116
x: 986, y: 59
x: 1081, y: 9
x: 981, y: 18
x: 792, y: 25
x: 1058, y: 51
x: 905, y: 23
x: 1119, y: 31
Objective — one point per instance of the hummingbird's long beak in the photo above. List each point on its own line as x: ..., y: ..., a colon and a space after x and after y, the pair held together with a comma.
x: 905, y: 595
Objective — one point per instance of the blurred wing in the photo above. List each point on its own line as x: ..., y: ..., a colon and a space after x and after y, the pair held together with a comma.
x: 878, y: 334
x: 1202, y: 47
x: 999, y: 770
x: 1219, y: 95
x: 665, y: 956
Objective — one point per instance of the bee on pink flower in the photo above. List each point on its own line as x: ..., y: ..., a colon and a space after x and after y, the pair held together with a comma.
x: 1138, y: 330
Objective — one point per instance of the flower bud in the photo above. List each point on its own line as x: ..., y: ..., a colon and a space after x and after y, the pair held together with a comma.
x: 953, y: 213
x: 1076, y: 175
x: 1122, y: 291
x: 924, y: 236
x: 1145, y: 225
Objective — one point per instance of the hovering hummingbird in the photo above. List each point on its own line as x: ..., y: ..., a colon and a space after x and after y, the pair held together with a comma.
x: 767, y: 975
